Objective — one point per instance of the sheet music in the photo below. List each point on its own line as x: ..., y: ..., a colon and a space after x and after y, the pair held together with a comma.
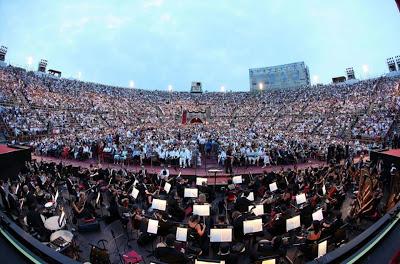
x: 273, y: 187
x: 318, y: 215
x: 167, y: 187
x: 301, y: 198
x: 269, y: 261
x: 293, y: 223
x: 134, y: 192
x: 152, y: 226
x: 191, y: 193
x: 258, y: 210
x: 208, y: 262
x: 251, y: 197
x: 199, y: 181
x: 159, y: 204
x: 322, y: 248
x: 237, y: 179
x: 252, y: 226
x: 181, y: 234
x: 221, y: 235
x: 201, y: 209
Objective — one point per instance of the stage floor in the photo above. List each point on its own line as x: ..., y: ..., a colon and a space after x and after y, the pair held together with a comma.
x: 201, y: 171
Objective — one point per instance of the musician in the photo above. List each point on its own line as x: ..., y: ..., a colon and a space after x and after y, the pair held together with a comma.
x: 137, y: 218
x: 34, y: 220
x: 237, y: 222
x: 113, y: 208
x: 167, y: 253
x: 242, y: 203
x: 265, y: 248
x: 225, y: 254
x: 13, y: 201
x: 4, y: 194
x: 82, y: 208
x: 142, y: 173
x: 197, y: 233
x: 229, y: 161
x: 30, y: 199
x: 163, y: 175
x: 277, y: 224
x: 173, y: 209
x: 330, y: 229
x: 314, y: 232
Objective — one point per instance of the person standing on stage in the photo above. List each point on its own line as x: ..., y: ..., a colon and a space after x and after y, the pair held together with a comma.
x: 229, y: 161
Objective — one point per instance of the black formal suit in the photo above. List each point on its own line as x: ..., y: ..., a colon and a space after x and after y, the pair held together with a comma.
x: 4, y: 200
x: 35, y: 221
x: 30, y: 200
x: 170, y: 255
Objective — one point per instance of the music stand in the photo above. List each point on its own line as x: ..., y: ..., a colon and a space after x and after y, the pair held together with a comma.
x: 181, y: 234
x: 257, y: 209
x: 215, y: 171
x: 318, y: 215
x: 167, y: 187
x: 273, y: 187
x: 268, y: 260
x: 237, y: 179
x: 191, y: 193
x: 322, y: 247
x: 250, y: 197
x: 221, y: 235
x: 301, y: 198
x: 293, y: 223
x: 159, y: 204
x: 208, y: 261
x: 201, y: 209
x: 252, y: 226
x: 152, y: 226
x: 134, y: 192
x: 200, y: 180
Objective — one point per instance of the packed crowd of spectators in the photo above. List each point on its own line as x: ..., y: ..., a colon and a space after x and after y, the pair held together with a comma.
x: 82, y: 119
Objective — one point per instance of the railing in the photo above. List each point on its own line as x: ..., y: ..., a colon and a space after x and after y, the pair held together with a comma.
x: 28, y: 246
x: 358, y: 247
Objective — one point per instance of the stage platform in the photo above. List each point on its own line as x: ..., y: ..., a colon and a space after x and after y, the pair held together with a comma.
x: 201, y: 171
x: 392, y: 152
x: 12, y: 160
x: 389, y: 157
x: 6, y: 149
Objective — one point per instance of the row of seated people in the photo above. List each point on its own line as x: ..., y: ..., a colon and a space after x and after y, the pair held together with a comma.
x: 134, y: 199
x: 280, y: 114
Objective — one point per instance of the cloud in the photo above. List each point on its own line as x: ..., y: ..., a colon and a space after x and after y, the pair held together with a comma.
x: 114, y: 22
x: 153, y: 3
x: 165, y: 17
x: 74, y: 26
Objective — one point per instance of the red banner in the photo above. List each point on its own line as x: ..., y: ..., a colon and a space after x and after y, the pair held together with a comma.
x: 184, y: 118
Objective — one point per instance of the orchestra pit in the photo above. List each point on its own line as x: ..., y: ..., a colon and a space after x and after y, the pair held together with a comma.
x: 289, y: 171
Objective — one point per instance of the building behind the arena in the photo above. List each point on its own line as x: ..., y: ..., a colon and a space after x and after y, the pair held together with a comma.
x: 287, y: 76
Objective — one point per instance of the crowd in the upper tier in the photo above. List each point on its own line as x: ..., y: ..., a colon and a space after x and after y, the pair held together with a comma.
x: 82, y: 120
